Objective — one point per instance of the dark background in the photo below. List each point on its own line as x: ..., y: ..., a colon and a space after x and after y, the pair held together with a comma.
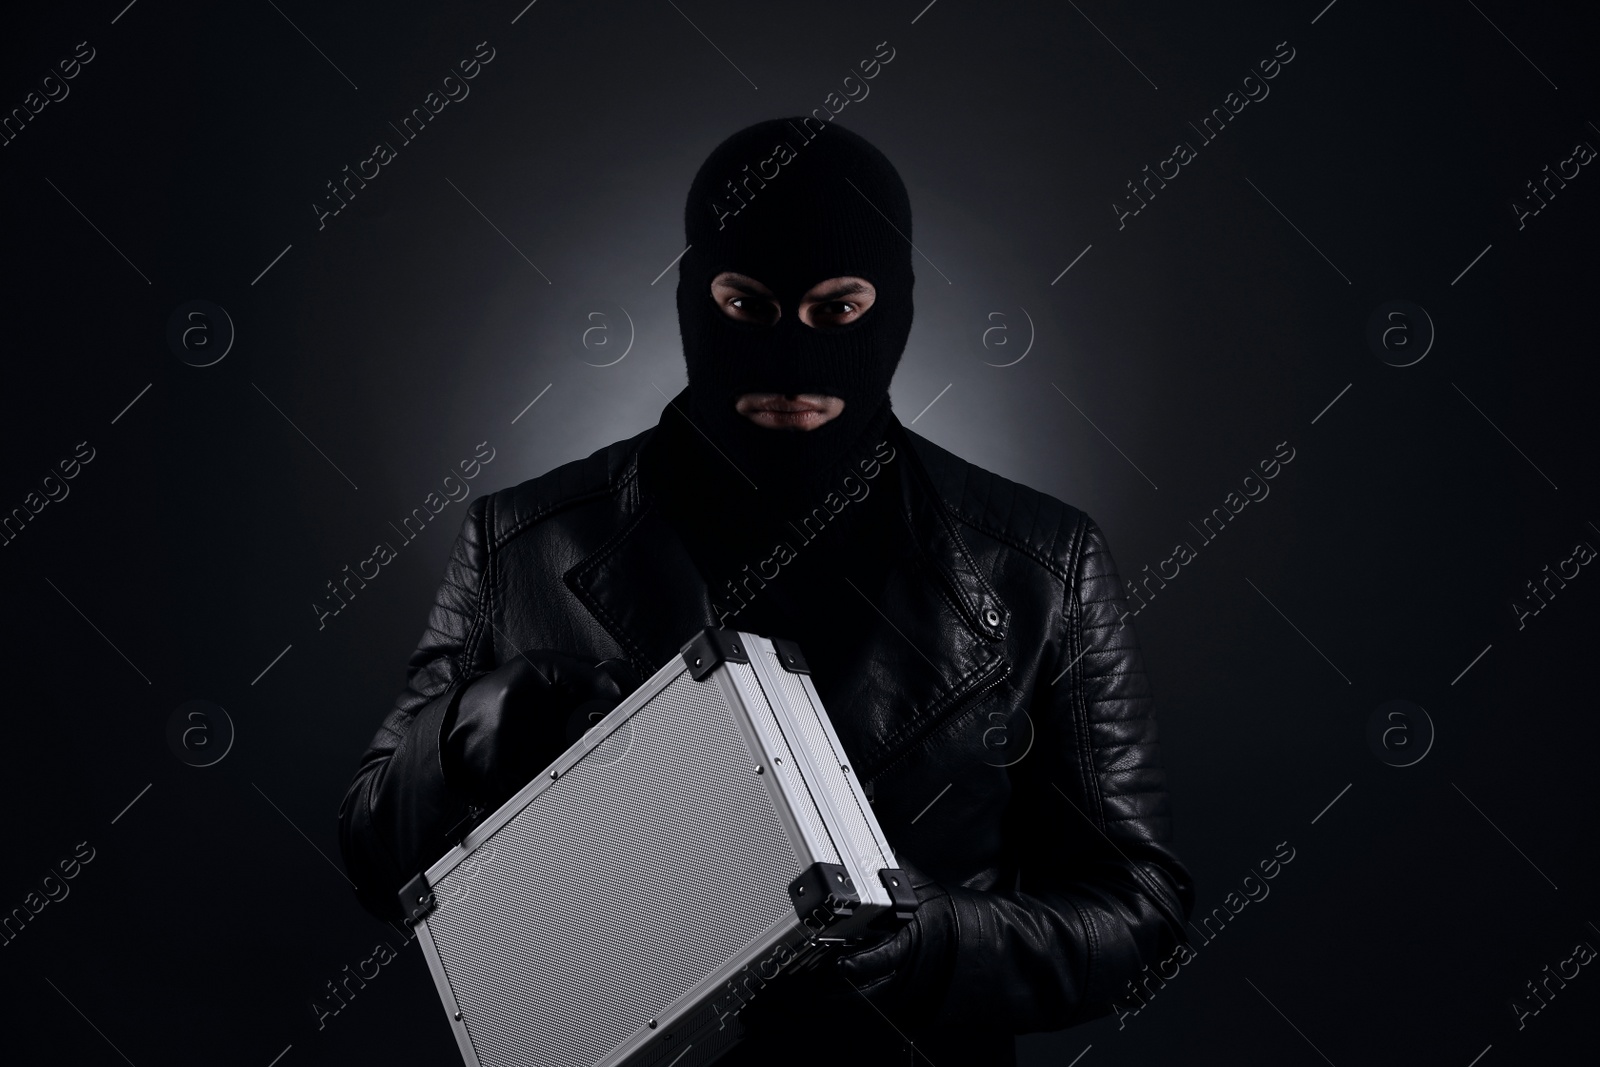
x: 380, y: 350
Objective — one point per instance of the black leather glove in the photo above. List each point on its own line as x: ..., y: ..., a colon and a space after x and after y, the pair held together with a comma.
x: 911, y: 968
x: 904, y: 973
x: 512, y: 722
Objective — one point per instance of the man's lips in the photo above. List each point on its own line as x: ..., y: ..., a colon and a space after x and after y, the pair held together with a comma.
x: 784, y: 404
x: 776, y: 411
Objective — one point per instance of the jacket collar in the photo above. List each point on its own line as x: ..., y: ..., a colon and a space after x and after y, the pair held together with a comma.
x: 642, y: 586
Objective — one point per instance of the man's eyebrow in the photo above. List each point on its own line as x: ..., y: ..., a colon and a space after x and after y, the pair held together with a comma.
x: 847, y: 289
x: 748, y: 286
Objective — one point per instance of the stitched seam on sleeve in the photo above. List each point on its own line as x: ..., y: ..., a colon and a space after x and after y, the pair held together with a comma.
x: 1086, y: 740
x: 453, y: 671
x: 468, y: 646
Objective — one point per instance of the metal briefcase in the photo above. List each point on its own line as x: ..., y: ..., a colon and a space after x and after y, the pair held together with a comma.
x: 622, y: 908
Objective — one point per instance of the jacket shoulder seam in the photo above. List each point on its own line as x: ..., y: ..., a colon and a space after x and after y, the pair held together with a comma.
x: 1072, y: 518
x: 1009, y: 539
x: 614, y: 482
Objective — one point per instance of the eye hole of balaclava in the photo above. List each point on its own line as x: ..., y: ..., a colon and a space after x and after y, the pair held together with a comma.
x: 791, y: 203
x: 765, y: 308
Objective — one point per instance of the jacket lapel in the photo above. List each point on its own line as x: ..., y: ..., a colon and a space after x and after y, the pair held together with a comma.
x: 643, y: 587
x: 938, y: 639
x: 941, y: 639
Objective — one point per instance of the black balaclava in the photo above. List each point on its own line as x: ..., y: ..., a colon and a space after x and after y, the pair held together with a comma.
x: 791, y: 203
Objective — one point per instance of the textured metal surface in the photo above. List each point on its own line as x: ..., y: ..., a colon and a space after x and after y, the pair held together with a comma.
x: 821, y: 840
x: 676, y: 832
x: 854, y: 822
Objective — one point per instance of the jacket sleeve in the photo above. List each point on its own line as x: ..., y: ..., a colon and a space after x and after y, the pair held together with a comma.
x: 1098, y: 893
x: 398, y: 813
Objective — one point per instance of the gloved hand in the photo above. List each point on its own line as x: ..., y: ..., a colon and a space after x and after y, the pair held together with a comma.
x: 912, y: 967
x: 902, y: 972
x: 510, y: 723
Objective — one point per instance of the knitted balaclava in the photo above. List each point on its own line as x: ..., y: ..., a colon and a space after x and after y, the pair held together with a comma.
x: 791, y: 203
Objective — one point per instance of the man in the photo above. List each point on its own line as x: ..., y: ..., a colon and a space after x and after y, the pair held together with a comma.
x: 967, y: 634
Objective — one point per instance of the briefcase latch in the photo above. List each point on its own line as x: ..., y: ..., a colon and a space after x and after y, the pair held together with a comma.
x: 417, y: 900
x: 789, y: 655
x: 826, y: 887
x: 901, y: 895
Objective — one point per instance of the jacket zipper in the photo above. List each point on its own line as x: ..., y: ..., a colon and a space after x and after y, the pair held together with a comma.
x: 991, y: 678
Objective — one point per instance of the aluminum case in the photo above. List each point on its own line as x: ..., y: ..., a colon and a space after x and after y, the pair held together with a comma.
x: 623, y: 907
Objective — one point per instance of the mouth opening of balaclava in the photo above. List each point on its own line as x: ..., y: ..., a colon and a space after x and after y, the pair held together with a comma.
x: 790, y: 203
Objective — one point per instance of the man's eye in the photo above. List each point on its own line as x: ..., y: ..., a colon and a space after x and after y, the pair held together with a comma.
x: 754, y: 309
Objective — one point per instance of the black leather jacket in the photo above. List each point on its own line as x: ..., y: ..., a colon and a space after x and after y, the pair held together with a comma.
x: 1058, y: 864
